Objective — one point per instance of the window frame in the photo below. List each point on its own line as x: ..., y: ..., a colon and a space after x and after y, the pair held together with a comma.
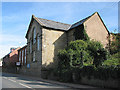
x: 19, y: 56
x: 22, y: 56
x: 38, y: 42
x: 33, y: 56
x: 25, y: 56
x: 34, y: 35
x: 30, y: 46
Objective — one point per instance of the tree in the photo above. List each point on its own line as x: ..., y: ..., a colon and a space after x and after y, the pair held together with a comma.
x: 80, y: 33
x: 97, y: 51
x: 81, y: 53
x: 115, y: 44
x: 75, y: 55
x: 78, y: 53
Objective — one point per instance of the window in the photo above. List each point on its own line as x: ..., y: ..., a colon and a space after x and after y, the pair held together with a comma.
x: 19, y: 56
x: 38, y: 42
x: 22, y: 56
x: 25, y: 55
x: 34, y: 35
x: 33, y: 55
x: 30, y: 46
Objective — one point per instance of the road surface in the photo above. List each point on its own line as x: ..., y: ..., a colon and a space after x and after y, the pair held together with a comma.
x: 14, y: 81
x: 18, y: 82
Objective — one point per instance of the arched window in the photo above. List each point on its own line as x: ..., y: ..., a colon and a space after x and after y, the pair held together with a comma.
x: 33, y: 56
x: 25, y: 56
x: 20, y: 56
x: 30, y: 46
x: 34, y: 35
x: 38, y: 42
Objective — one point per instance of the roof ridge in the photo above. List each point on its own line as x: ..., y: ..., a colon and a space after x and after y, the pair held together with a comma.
x: 54, y: 21
x: 81, y: 21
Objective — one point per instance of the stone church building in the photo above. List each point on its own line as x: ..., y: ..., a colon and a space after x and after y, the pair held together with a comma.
x: 46, y: 37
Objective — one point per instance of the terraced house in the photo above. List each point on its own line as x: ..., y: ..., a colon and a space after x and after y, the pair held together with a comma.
x: 46, y: 37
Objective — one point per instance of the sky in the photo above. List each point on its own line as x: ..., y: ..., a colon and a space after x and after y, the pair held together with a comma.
x: 16, y: 17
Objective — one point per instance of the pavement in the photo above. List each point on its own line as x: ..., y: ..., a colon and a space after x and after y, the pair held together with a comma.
x: 22, y: 81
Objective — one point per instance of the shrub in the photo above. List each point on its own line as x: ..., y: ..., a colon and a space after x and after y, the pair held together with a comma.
x: 102, y: 73
x: 80, y: 33
x: 113, y: 60
x: 78, y: 53
x: 115, y: 44
x: 97, y: 51
x: 80, y: 56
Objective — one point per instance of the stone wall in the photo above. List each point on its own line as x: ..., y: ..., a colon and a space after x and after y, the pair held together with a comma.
x: 110, y: 83
x: 33, y: 67
x: 70, y: 35
x: 34, y: 46
x: 52, y: 42
x: 96, y: 29
x: 33, y: 70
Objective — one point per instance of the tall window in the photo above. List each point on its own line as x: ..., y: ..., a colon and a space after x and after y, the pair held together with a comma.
x: 25, y: 55
x: 30, y: 46
x: 38, y: 42
x: 34, y: 35
x: 22, y: 56
x: 19, y: 56
x: 33, y: 55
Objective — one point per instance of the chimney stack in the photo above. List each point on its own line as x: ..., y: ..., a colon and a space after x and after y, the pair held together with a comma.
x: 12, y: 49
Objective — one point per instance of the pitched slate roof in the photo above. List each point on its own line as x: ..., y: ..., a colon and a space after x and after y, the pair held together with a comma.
x: 79, y: 22
x: 58, y: 25
x: 54, y: 24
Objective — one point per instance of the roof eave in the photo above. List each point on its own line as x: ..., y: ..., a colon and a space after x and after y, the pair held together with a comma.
x: 29, y: 27
x: 36, y: 19
x: 103, y: 23
x: 54, y: 28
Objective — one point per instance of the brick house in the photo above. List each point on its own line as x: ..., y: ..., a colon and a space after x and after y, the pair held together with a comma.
x: 12, y: 57
x: 46, y: 37
x: 9, y: 60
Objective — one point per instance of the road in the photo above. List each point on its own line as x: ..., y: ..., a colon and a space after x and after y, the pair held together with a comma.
x: 18, y: 82
x: 14, y: 81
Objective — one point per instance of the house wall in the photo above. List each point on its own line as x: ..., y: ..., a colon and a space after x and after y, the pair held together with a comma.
x: 10, y: 61
x: 33, y: 67
x: 70, y: 35
x: 34, y: 46
x: 6, y: 60
x: 52, y: 42
x: 13, y: 56
x: 96, y: 30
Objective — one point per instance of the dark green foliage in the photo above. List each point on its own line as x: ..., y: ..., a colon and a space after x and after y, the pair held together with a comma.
x: 80, y: 33
x: 113, y: 60
x: 87, y: 71
x: 75, y: 55
x: 86, y: 58
x: 63, y: 70
x: 102, y: 73
x: 79, y: 56
x: 66, y: 75
x: 97, y: 51
x: 64, y: 59
x: 115, y: 44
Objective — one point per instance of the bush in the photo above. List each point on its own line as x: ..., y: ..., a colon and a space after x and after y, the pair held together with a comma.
x: 80, y: 54
x: 87, y: 71
x: 97, y: 51
x: 115, y: 44
x: 113, y: 60
x: 102, y: 73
